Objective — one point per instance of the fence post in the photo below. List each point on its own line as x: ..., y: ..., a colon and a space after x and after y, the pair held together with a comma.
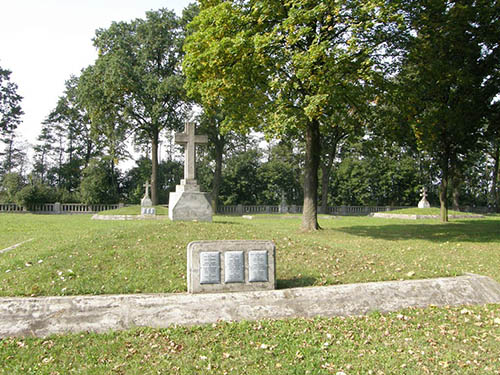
x: 57, y: 208
x: 239, y: 209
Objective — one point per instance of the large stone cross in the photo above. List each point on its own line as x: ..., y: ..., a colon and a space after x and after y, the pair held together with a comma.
x: 189, y: 140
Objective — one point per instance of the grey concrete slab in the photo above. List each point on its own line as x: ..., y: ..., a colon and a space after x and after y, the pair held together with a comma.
x: 44, y: 316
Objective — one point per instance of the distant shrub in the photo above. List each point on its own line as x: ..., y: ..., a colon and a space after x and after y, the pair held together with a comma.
x: 35, y: 194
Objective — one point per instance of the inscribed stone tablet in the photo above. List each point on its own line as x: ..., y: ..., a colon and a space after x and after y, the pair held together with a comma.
x: 234, y: 267
x: 257, y: 266
x: 210, y: 267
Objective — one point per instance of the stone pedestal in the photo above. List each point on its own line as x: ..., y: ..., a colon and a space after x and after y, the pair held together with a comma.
x: 147, y: 206
x: 188, y: 203
x: 424, y: 203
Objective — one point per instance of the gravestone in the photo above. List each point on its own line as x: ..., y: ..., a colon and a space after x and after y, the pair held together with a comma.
x: 146, y: 203
x: 188, y: 202
x: 231, y: 266
x: 423, y: 202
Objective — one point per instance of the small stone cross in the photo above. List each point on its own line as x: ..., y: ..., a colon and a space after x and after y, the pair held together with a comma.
x: 189, y: 140
x: 147, y: 185
x: 424, y: 193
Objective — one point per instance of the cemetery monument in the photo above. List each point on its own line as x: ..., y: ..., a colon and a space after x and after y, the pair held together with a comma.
x: 231, y: 266
x: 146, y: 203
x: 188, y: 202
x: 423, y: 202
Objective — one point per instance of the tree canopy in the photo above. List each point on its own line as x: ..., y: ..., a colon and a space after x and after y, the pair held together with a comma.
x: 286, y: 68
x: 136, y: 82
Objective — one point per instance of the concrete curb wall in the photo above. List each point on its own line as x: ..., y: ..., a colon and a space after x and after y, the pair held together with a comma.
x: 129, y: 217
x: 44, y: 316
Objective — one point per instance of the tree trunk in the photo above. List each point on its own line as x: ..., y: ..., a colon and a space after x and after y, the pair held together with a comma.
x: 312, y: 161
x: 455, y: 204
x: 326, y: 169
x: 443, y: 193
x: 495, y: 193
x: 219, y: 150
x: 154, y: 168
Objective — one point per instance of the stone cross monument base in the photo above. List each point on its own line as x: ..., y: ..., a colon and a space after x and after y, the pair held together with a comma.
x: 187, y: 203
x: 146, y: 203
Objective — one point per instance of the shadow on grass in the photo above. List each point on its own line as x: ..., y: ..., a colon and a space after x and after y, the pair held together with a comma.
x: 295, y: 282
x: 483, y: 230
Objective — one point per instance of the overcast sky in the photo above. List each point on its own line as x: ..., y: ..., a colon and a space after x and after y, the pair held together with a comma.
x: 43, y: 42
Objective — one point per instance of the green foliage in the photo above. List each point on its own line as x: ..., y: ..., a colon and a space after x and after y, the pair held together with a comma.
x: 288, y: 68
x: 136, y: 83
x: 370, y: 177
x: 35, y: 193
x: 169, y: 175
x: 448, y: 78
x: 11, y: 184
x: 241, y: 184
x: 10, y: 118
x: 98, y: 183
x: 10, y: 108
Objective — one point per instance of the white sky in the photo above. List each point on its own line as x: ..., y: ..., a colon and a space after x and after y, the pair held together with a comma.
x: 43, y: 42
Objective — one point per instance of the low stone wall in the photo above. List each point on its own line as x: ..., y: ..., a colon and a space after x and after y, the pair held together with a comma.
x: 129, y: 217
x: 43, y: 316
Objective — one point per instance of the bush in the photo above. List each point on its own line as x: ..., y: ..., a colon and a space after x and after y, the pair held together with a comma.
x: 11, y: 184
x: 98, y: 183
x: 35, y: 194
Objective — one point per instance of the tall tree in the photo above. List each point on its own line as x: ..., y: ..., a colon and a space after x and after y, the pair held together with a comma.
x: 10, y: 118
x: 448, y: 78
x: 136, y: 82
x: 283, y: 66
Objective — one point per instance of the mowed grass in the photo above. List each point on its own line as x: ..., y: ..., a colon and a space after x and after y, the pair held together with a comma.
x: 133, y: 210
x: 463, y: 340
x: 75, y: 255
x: 72, y: 254
x: 430, y: 211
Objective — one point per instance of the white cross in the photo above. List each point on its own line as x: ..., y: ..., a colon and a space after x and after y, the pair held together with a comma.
x: 424, y: 193
x: 189, y: 140
x: 147, y: 185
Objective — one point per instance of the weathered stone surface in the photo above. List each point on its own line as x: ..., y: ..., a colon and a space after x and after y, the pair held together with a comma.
x: 187, y: 203
x: 54, y: 315
x: 243, y: 266
x: 129, y: 217
x: 189, y: 206
x: 148, y: 211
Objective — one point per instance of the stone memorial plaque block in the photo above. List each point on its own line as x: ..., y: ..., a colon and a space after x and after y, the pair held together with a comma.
x: 234, y: 267
x: 210, y: 267
x: 230, y: 266
x: 257, y: 266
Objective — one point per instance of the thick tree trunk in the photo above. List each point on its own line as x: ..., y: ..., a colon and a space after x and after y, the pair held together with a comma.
x: 443, y: 193
x: 219, y: 150
x: 312, y: 161
x: 154, y: 168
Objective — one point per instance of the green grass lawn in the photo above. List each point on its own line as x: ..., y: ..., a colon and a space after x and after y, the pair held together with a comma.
x: 413, y: 341
x: 71, y: 254
x: 133, y: 210
x: 429, y: 211
x: 75, y: 255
